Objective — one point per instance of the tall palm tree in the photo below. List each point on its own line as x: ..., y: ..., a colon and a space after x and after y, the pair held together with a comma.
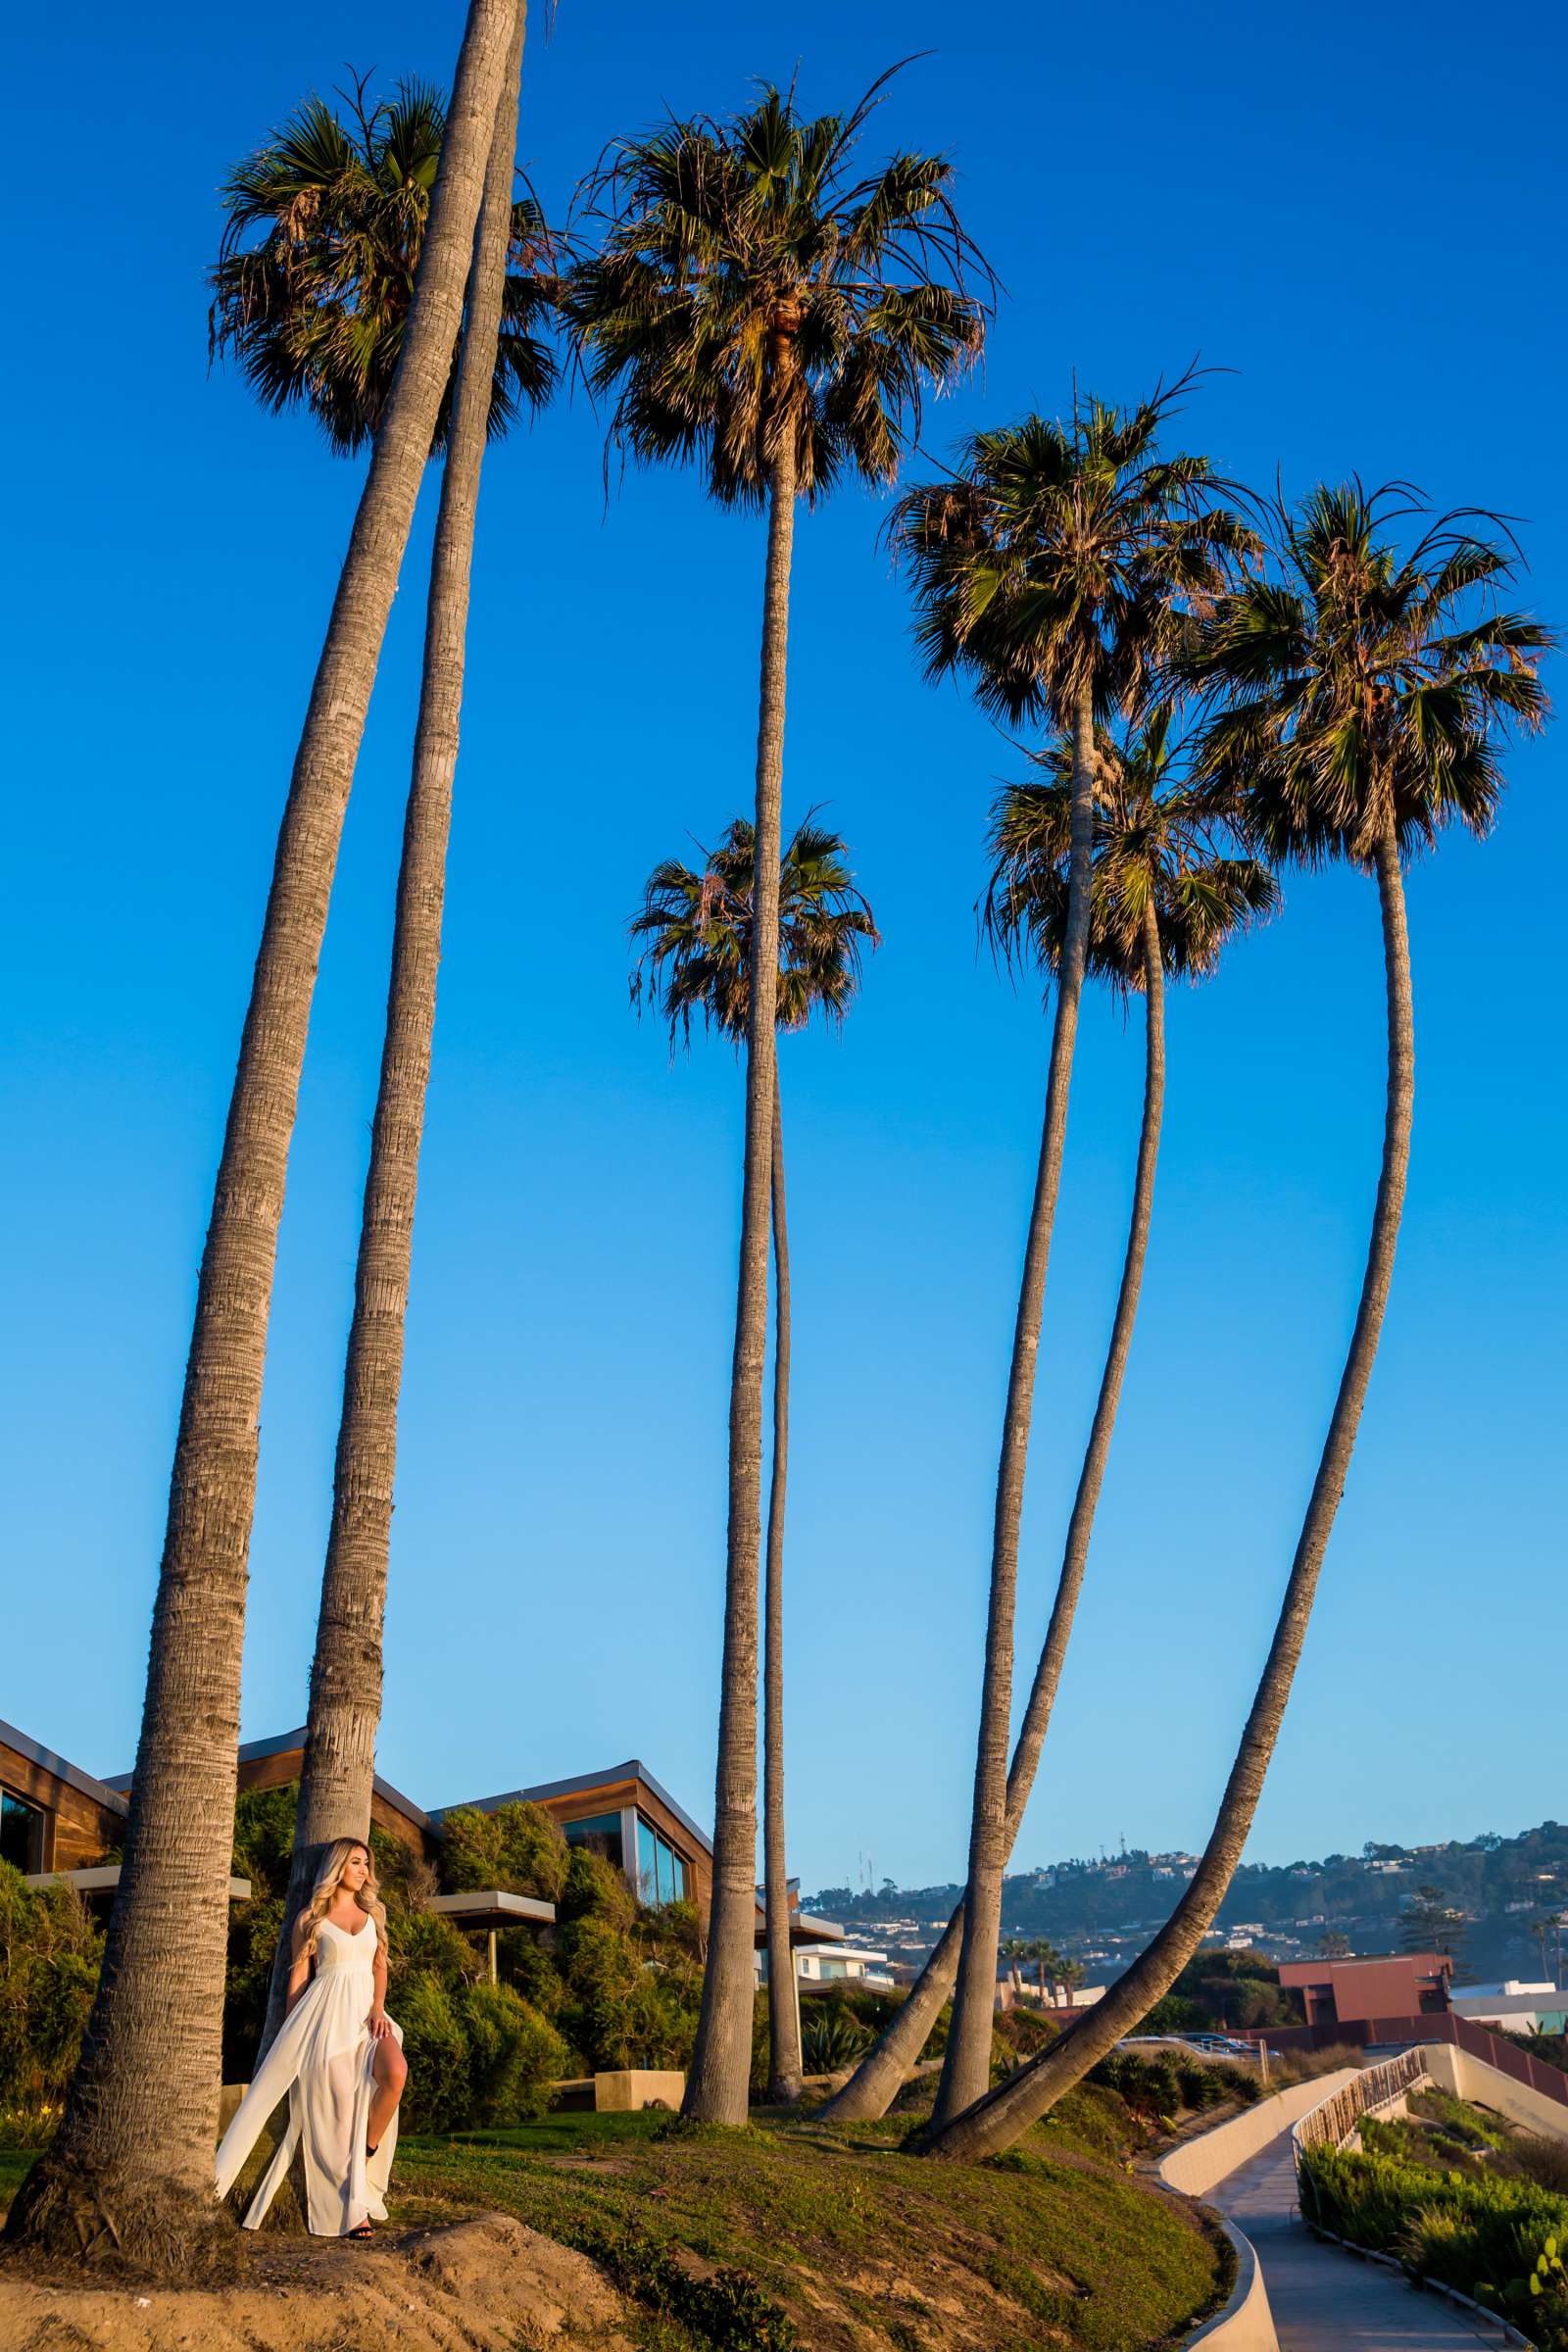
x: 1050, y: 569
x: 345, y: 1700
x: 698, y: 959
x: 1365, y: 695
x: 314, y: 307
x: 130, y: 2172
x: 760, y: 311
x: 1166, y: 896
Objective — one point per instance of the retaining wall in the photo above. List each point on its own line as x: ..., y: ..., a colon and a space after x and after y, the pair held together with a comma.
x: 1198, y: 2165
x: 1466, y: 2078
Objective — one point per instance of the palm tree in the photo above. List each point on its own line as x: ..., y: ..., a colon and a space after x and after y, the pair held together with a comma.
x: 759, y: 311
x: 130, y: 2172
x: 1015, y: 1950
x: 1049, y: 568
x: 1368, y: 694
x: 345, y: 1701
x: 698, y: 959
x: 315, y: 309
x: 1164, y: 899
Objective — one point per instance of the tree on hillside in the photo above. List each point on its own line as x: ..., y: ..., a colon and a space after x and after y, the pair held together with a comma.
x: 1165, y: 896
x: 1048, y: 571
x: 130, y: 2173
x: 696, y: 930
x: 760, y: 309
x: 1359, y: 697
x: 346, y: 1671
x: 1334, y: 1943
x: 1429, y: 1923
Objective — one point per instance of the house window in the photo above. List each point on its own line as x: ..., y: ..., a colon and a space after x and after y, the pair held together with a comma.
x: 21, y: 1833
x: 600, y: 1833
x: 662, y: 1872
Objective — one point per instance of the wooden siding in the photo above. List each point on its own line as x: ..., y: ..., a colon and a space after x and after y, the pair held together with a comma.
x: 279, y: 1770
x: 77, y: 1830
x: 613, y: 1796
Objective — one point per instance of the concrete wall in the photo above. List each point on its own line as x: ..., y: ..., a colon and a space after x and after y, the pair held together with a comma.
x: 629, y: 2089
x: 1199, y: 2164
x: 1247, y: 2323
x: 1454, y: 2070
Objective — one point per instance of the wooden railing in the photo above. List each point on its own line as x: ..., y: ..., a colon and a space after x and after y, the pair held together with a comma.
x: 1330, y: 2124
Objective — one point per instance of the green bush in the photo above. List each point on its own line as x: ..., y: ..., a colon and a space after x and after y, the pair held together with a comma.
x: 518, y: 1846
x: 436, y: 2049
x: 49, y: 1955
x: 1496, y: 2239
x: 831, y: 2039
x: 514, y: 2055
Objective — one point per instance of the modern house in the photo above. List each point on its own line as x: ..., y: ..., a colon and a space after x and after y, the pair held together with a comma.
x: 1387, y: 1985
x: 58, y: 1821
x: 55, y: 1820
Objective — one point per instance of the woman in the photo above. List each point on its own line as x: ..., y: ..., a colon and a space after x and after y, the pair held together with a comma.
x: 338, y: 2056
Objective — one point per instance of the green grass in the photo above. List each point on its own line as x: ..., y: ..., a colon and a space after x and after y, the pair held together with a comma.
x: 789, y: 2237
x: 850, y: 2240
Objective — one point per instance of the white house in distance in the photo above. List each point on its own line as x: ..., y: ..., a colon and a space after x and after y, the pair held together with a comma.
x: 823, y: 1953
x: 1518, y: 2007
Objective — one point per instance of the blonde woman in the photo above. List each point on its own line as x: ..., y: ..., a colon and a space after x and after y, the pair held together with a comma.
x: 338, y: 2058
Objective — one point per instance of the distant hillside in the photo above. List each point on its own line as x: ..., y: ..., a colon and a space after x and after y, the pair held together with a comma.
x: 1499, y: 1890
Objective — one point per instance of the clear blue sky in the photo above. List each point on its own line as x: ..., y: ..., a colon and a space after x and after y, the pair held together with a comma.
x: 1359, y: 212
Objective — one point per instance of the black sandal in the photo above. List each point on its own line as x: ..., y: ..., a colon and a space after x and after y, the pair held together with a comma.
x: 362, y: 2230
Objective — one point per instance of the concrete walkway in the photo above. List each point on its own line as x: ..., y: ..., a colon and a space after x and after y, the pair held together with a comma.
x: 1323, y: 2299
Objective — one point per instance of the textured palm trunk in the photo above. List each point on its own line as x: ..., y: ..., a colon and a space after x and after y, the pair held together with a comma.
x: 345, y: 1702
x: 721, y: 2058
x: 872, y: 2087
x: 131, y: 2170
x: 966, y: 2068
x: 997, y: 2121
x: 784, y: 2022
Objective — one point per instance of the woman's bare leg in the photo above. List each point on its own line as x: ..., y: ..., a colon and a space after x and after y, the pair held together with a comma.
x: 390, y: 2070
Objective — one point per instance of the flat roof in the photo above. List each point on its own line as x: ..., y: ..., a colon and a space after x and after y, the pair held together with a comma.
x: 101, y: 1877
x: 578, y: 1785
x: 102, y: 1792
x: 252, y: 1751
x: 494, y: 1906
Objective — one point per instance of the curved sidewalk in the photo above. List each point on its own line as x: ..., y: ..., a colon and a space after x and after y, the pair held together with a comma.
x: 1322, y: 2298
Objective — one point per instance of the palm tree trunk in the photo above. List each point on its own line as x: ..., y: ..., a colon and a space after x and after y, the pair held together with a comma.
x: 870, y: 2090
x: 966, y: 2068
x: 345, y: 1703
x: 720, y: 2067
x: 131, y: 2170
x: 999, y: 2119
x: 783, y: 2018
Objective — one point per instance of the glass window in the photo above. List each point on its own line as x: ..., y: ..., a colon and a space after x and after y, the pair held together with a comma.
x: 601, y: 1833
x: 21, y: 1833
x: 647, y: 1864
x: 666, y: 1873
x: 662, y: 1875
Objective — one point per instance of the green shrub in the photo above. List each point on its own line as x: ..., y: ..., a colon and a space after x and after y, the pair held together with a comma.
x: 514, y: 2055
x: 436, y: 2049
x: 49, y: 1956
x: 518, y: 1846
x: 831, y: 2039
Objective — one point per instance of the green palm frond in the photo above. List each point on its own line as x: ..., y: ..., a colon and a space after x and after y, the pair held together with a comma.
x: 694, y: 927
x: 1154, y: 841
x: 748, y: 289
x: 1068, y: 558
x: 1359, y: 693
x: 315, y: 274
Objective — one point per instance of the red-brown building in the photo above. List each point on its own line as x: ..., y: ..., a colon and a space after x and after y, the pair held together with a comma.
x: 1390, y: 1984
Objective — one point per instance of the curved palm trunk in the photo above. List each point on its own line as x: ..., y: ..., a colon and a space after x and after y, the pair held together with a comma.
x: 966, y: 2068
x: 345, y: 1703
x: 720, y: 2067
x: 999, y: 2119
x: 131, y: 2170
x: 784, y: 2017
x: 872, y: 2087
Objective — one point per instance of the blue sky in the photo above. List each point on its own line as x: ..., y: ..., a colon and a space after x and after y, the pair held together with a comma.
x: 1356, y: 212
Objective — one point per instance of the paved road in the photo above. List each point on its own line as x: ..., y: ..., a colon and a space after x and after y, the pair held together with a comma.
x: 1325, y: 2300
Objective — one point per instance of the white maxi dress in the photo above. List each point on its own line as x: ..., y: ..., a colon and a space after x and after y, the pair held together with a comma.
x: 322, y: 2062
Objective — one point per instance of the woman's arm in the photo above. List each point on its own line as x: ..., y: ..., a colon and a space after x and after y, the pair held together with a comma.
x: 377, y: 2020
x: 299, y: 1974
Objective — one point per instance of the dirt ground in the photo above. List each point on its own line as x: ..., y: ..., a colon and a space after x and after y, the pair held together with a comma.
x: 486, y: 2285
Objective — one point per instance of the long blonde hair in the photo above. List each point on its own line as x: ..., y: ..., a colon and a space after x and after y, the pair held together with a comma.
x: 327, y: 1881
